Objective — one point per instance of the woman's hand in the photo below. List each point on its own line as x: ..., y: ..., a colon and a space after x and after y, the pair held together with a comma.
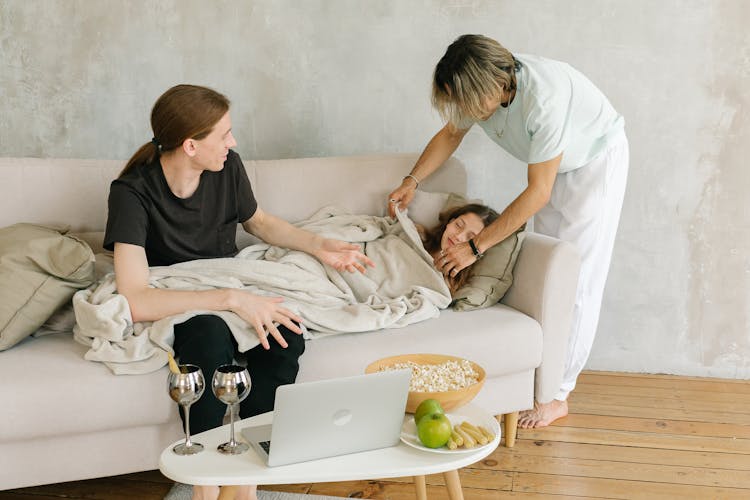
x: 454, y: 259
x: 402, y: 196
x: 263, y: 314
x: 343, y: 256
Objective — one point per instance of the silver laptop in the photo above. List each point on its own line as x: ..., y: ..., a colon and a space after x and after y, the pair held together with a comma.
x: 333, y: 417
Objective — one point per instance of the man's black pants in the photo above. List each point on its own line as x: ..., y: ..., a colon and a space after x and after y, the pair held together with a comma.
x: 207, y: 341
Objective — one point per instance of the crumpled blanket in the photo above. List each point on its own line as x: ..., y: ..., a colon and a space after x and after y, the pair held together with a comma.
x: 402, y: 289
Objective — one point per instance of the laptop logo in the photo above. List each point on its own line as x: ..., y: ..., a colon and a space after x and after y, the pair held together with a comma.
x: 342, y: 417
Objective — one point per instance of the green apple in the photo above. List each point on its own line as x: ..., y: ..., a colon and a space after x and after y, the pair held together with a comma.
x: 434, y: 430
x: 427, y: 407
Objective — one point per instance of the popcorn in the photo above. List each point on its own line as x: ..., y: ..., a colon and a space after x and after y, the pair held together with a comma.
x: 448, y: 376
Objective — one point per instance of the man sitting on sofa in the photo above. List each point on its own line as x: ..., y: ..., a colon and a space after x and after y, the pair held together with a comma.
x: 180, y: 198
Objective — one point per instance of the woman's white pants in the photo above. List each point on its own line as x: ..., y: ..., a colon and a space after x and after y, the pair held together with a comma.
x: 584, y: 209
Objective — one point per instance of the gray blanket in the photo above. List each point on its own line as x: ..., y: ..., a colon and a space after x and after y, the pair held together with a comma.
x: 403, y: 288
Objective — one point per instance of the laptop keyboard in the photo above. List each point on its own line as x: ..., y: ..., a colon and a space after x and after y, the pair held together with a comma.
x: 266, y: 445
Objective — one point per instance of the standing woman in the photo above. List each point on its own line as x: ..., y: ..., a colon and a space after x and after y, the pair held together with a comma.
x: 550, y: 116
x: 179, y: 198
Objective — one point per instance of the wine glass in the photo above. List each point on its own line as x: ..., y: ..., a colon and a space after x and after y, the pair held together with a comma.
x: 186, y: 387
x: 231, y: 384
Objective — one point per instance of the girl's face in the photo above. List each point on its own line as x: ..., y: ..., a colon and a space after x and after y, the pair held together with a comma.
x: 461, y: 229
x: 211, y: 151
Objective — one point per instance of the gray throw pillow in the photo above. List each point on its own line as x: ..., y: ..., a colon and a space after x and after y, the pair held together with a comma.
x: 40, y: 270
x: 491, y: 276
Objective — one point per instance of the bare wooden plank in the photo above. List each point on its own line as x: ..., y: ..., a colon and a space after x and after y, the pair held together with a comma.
x: 659, y: 426
x: 404, y: 491
x: 617, y: 488
x: 108, y: 488
x: 599, y: 408
x: 727, y: 461
x: 632, y: 471
x: 471, y: 477
x: 646, y: 401
x: 641, y: 439
x: 152, y: 475
x: 728, y: 398
x: 12, y: 495
x: 289, y: 488
x: 665, y: 381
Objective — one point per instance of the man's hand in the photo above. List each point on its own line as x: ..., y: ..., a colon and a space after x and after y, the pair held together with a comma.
x: 263, y: 314
x: 343, y: 256
x: 458, y: 257
x: 402, y: 196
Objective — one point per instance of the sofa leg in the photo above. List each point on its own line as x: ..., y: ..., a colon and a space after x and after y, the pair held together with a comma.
x: 510, y: 428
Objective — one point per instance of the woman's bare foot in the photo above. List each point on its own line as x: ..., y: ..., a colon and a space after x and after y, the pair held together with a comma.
x: 543, y: 414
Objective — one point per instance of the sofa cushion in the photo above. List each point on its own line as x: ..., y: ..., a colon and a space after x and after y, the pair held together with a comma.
x: 491, y: 276
x: 64, y: 394
x: 40, y: 269
x: 500, y: 339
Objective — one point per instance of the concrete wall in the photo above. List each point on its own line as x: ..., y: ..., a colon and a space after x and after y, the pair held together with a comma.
x: 340, y: 77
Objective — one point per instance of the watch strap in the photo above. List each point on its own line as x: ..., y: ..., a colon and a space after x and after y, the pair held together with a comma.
x: 475, y: 250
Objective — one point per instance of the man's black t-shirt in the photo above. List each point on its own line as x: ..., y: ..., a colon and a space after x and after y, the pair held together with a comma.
x: 143, y: 211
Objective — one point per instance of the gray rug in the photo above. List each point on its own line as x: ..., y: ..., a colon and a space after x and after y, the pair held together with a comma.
x: 185, y: 492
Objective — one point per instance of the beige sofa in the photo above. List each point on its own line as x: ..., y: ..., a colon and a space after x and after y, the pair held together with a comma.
x: 66, y: 419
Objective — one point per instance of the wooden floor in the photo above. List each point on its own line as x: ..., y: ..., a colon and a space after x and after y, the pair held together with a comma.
x: 628, y: 436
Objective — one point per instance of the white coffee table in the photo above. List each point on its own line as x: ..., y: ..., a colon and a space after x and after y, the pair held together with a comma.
x: 212, y: 468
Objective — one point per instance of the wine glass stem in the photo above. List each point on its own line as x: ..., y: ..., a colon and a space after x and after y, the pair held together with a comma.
x: 186, y: 411
x: 232, y: 442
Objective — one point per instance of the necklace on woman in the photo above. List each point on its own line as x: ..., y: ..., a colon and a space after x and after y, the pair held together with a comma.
x: 505, y: 122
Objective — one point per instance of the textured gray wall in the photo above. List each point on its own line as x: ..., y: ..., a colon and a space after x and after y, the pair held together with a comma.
x: 339, y: 77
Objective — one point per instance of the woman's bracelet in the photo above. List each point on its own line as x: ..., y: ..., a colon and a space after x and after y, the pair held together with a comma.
x: 414, y: 178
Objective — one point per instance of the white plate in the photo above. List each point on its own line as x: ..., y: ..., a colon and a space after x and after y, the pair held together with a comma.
x: 409, y: 432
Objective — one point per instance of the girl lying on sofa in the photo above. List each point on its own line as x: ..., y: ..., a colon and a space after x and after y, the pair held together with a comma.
x: 456, y: 225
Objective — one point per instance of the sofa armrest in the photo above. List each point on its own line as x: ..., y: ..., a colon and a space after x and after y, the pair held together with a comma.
x: 544, y: 287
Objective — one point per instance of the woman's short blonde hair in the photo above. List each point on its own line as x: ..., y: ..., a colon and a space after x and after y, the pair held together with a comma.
x: 474, y: 68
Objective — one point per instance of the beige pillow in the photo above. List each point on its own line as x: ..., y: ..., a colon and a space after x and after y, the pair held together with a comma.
x: 40, y: 270
x: 492, y: 275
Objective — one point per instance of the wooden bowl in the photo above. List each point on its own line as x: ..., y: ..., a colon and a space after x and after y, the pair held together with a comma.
x: 448, y: 399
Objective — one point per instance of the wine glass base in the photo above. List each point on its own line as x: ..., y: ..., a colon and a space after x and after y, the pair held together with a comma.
x: 183, y: 449
x: 232, y: 449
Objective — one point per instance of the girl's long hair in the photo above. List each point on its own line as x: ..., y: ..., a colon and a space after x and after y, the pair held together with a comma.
x: 182, y: 112
x: 434, y: 236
